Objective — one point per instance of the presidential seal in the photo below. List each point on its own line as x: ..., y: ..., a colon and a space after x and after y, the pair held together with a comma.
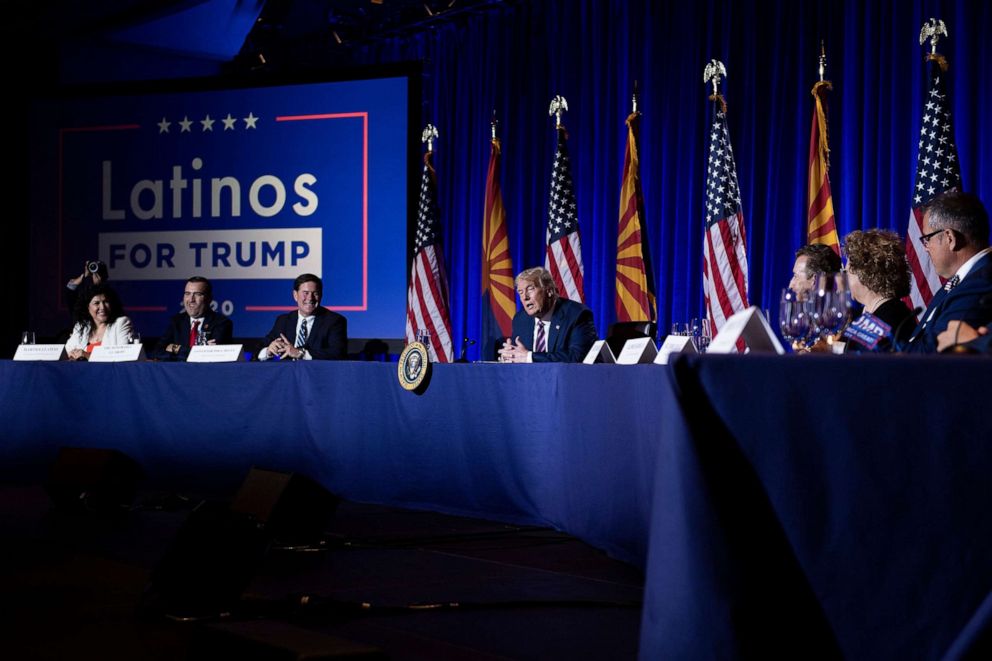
x: 413, y: 366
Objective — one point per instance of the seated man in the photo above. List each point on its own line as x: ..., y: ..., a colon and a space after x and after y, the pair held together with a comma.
x: 812, y: 260
x: 549, y: 328
x: 196, y: 324
x: 318, y: 333
x: 956, y: 236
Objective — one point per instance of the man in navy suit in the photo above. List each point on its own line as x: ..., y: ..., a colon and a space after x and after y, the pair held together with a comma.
x: 956, y: 236
x: 549, y: 329
x: 196, y: 324
x: 311, y: 332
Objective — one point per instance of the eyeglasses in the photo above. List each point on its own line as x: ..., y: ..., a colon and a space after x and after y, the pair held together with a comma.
x: 925, y: 239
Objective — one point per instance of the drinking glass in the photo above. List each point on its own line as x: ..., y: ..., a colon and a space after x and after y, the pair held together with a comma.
x: 794, y: 318
x: 832, y: 304
x: 705, y: 335
x: 27, y: 337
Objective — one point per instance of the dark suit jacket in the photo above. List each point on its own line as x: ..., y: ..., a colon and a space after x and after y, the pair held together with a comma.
x: 572, y: 333
x: 964, y: 302
x: 215, y: 325
x: 982, y: 344
x: 327, y: 340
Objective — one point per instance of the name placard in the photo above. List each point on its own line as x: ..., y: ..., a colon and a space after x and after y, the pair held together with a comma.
x: 675, y: 344
x: 40, y: 352
x: 599, y: 352
x: 216, y: 353
x: 117, y: 354
x: 637, y: 350
x: 748, y: 325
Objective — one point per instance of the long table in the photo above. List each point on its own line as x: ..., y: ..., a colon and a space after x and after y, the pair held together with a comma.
x: 567, y: 446
x: 828, y: 506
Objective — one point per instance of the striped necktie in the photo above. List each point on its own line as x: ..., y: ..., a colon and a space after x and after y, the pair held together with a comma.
x: 952, y: 283
x: 301, y: 337
x: 541, y: 343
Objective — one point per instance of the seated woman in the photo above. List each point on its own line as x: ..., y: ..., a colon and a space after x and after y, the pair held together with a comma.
x: 98, y: 322
x: 878, y: 274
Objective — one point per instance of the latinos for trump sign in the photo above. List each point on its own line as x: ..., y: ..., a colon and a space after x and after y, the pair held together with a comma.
x: 247, y: 187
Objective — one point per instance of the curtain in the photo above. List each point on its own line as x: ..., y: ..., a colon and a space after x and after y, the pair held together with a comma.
x: 513, y: 57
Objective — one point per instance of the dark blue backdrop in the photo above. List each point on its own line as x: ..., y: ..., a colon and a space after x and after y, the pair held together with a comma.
x: 515, y: 58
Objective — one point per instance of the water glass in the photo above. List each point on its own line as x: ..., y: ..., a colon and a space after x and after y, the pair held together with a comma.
x: 27, y: 337
x: 832, y: 304
x: 794, y: 318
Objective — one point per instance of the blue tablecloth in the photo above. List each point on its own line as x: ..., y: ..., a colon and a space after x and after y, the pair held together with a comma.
x: 795, y: 506
x: 808, y: 506
x: 567, y: 446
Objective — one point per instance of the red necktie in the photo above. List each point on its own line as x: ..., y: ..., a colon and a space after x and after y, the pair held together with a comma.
x: 192, y: 334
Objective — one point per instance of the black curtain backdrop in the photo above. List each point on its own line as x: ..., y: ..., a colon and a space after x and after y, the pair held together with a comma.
x: 514, y: 57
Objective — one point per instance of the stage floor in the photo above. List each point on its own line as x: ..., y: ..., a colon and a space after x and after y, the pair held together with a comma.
x: 71, y: 585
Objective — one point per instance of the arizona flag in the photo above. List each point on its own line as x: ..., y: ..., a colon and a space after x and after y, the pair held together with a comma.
x: 820, y: 224
x: 427, y: 297
x: 498, y: 302
x: 636, y: 300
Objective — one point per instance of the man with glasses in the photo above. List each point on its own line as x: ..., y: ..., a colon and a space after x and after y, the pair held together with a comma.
x: 549, y: 329
x: 311, y: 332
x: 196, y: 324
x: 956, y: 237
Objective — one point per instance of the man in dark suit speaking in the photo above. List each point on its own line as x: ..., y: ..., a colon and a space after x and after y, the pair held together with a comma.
x: 196, y: 324
x: 311, y: 332
x: 549, y: 329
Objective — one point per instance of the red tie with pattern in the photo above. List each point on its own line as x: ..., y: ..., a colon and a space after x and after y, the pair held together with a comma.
x: 192, y: 334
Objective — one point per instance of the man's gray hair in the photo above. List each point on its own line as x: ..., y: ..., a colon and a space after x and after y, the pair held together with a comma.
x: 539, y: 276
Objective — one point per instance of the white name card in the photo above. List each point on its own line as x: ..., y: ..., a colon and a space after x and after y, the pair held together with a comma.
x: 216, y: 353
x: 600, y: 352
x: 749, y: 325
x: 117, y: 354
x: 637, y: 350
x: 40, y: 352
x: 675, y: 344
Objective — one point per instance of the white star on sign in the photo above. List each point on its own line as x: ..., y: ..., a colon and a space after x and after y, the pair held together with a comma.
x: 208, y: 124
x: 229, y: 122
x: 163, y: 126
x: 250, y: 121
x: 185, y: 124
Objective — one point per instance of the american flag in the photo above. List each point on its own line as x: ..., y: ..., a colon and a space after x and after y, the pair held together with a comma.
x: 937, y: 171
x: 635, y: 284
x: 564, y: 252
x: 427, y: 298
x: 724, y: 246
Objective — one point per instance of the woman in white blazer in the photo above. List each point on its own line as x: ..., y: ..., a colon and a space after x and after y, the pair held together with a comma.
x: 98, y: 322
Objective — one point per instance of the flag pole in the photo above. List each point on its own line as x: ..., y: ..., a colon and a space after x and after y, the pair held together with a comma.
x: 558, y: 106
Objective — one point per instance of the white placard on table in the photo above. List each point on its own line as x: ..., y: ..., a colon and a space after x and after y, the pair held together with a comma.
x: 675, y: 344
x: 216, y: 353
x: 637, y: 350
x: 40, y: 352
x: 122, y: 353
x: 600, y: 352
x: 751, y: 326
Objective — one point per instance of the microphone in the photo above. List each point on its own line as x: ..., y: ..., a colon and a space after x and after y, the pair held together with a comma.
x: 898, y: 346
x: 466, y: 343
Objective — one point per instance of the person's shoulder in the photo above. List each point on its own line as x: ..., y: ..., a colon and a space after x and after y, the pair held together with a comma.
x: 321, y: 311
x: 572, y: 308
